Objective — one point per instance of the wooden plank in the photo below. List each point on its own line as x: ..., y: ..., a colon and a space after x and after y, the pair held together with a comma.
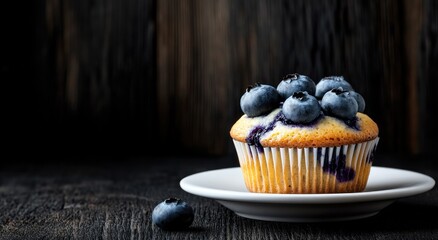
x: 193, y: 74
x: 97, y: 73
x: 413, y: 13
x: 428, y: 75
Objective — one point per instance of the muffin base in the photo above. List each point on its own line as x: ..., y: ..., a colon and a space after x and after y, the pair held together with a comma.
x: 306, y: 170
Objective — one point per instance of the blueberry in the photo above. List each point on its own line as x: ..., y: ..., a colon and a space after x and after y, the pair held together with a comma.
x: 295, y: 82
x: 172, y: 214
x: 360, y: 101
x: 259, y: 99
x: 339, y: 103
x: 301, y: 107
x: 328, y: 83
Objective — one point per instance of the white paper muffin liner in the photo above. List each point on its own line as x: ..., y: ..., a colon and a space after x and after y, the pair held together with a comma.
x: 306, y: 170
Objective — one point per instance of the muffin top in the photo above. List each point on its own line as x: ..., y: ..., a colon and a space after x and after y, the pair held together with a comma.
x: 300, y: 113
x: 274, y: 130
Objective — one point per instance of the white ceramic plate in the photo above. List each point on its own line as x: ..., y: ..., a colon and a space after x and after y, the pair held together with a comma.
x: 385, y: 185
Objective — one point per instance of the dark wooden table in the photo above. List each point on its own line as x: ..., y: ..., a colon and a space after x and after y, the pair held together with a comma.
x: 113, y: 197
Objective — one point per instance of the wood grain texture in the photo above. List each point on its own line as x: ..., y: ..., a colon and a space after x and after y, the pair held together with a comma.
x: 193, y: 74
x: 413, y: 22
x: 121, y: 76
x: 96, y: 72
x: 427, y: 75
x: 263, y: 41
x: 97, y: 198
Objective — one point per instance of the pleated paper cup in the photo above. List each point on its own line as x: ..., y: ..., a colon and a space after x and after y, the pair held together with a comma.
x: 306, y: 170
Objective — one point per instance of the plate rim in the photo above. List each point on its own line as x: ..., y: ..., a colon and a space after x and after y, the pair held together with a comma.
x: 314, y: 198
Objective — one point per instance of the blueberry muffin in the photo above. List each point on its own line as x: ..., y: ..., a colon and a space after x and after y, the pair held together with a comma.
x: 302, y: 137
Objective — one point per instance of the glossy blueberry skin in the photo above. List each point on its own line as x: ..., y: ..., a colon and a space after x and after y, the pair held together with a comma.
x: 259, y: 100
x: 339, y: 103
x: 173, y: 214
x: 328, y: 83
x: 295, y: 82
x: 301, y: 107
x: 360, y: 101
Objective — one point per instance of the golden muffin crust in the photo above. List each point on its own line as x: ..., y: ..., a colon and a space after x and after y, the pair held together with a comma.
x: 326, y: 132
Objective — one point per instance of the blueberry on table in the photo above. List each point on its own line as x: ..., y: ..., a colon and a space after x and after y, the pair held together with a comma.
x: 360, y: 101
x: 328, y: 83
x: 259, y: 99
x: 339, y: 103
x: 173, y: 214
x: 295, y: 82
x: 301, y: 107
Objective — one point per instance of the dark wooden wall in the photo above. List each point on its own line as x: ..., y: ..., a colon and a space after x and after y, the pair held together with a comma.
x: 112, y: 76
